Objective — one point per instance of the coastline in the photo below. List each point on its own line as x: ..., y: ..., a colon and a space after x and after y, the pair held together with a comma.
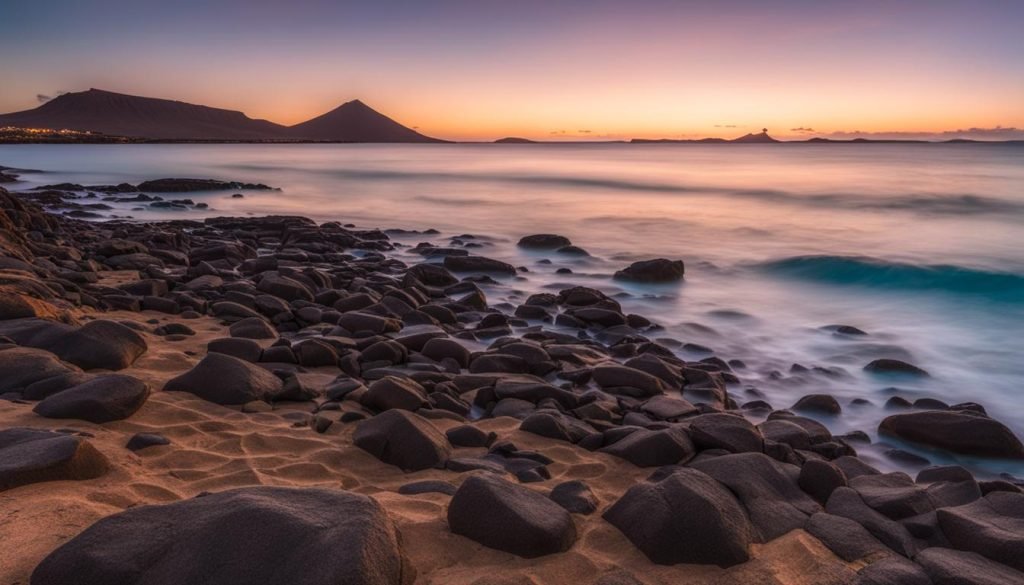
x: 350, y: 317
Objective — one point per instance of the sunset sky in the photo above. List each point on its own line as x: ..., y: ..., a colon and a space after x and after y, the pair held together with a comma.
x: 544, y: 69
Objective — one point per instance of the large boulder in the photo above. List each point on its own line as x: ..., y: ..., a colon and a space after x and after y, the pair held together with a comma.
x: 509, y: 517
x: 101, y: 399
x: 953, y: 567
x: 684, y: 516
x: 992, y: 526
x: 619, y: 379
x: 658, y: 270
x: 959, y: 431
x: 403, y: 439
x: 225, y: 379
x: 478, y: 264
x: 654, y: 447
x: 845, y: 502
x: 99, y: 344
x: 718, y: 430
x: 392, y: 392
x: 248, y: 536
x: 34, y: 455
x: 20, y: 367
x: 767, y: 489
x: 544, y: 242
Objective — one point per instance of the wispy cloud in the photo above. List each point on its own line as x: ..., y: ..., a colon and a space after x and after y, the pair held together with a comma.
x: 994, y: 133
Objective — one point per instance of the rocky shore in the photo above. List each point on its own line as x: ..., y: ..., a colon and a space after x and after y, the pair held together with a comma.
x: 271, y: 400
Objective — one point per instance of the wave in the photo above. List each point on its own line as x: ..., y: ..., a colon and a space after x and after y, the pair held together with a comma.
x: 924, y: 203
x: 877, y: 273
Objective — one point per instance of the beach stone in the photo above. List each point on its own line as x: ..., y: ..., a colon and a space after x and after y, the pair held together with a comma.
x: 403, y: 439
x: 428, y: 486
x: 886, y: 366
x: 822, y: 403
x: 555, y: 425
x: 478, y: 264
x: 575, y: 496
x: 35, y: 455
x: 440, y: 348
x: 653, y: 448
x: 283, y: 287
x: 820, y: 478
x: 725, y: 431
x: 893, y: 570
x: 224, y: 379
x: 54, y: 384
x: 961, y: 431
x: 469, y: 436
x: 847, y: 539
x: 613, y: 376
x: 684, y: 516
x: 659, y: 270
x: 992, y: 526
x: 356, y: 322
x: 101, y: 399
x: 950, y: 473
x: 21, y: 367
x: 315, y: 353
x: 392, y: 392
x: 318, y: 536
x: 946, y: 566
x: 508, y: 517
x: 140, y: 441
x: 668, y: 408
x: 767, y: 489
x: 432, y: 275
x: 892, y: 494
x: 252, y: 328
x: 544, y: 241
x: 97, y: 345
x: 243, y: 349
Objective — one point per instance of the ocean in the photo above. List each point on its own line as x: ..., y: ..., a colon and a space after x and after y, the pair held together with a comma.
x: 921, y: 246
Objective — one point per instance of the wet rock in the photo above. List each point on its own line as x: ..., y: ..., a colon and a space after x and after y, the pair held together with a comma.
x: 443, y: 348
x: 887, y: 366
x: 684, y: 516
x: 659, y: 270
x: 575, y: 496
x: 469, y: 436
x: 822, y: 403
x: 962, y: 432
x: 556, y: 426
x: 820, y: 478
x: 849, y: 540
x: 725, y: 431
x: 653, y: 448
x: 847, y: 503
x: 509, y: 517
x: 98, y: 400
x: 176, y: 185
x: 403, y: 439
x: 892, y: 571
x: 319, y: 535
x: 992, y: 526
x: 252, y: 328
x: 391, y: 392
x: 140, y: 441
x: 224, y: 379
x: 478, y: 264
x: 892, y: 494
x: 35, y: 455
x: 629, y: 381
x: 544, y: 241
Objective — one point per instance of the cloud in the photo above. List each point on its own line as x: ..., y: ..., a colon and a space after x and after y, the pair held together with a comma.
x: 994, y: 133
x: 43, y: 98
x: 726, y: 126
x: 802, y: 130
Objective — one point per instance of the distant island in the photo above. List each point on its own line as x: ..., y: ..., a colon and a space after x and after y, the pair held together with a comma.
x: 514, y: 140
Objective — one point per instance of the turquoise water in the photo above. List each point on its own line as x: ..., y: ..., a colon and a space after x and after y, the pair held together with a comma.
x: 920, y: 245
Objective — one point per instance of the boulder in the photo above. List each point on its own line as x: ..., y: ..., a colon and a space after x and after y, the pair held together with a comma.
x: 820, y: 478
x: 575, y: 496
x: 653, y: 448
x: 953, y: 567
x: 392, y: 392
x: 544, y: 242
x: 509, y: 517
x: 849, y: 540
x: 224, y: 379
x: 612, y: 377
x: 725, y: 431
x: 243, y: 349
x: 964, y: 432
x: 101, y: 399
x: 21, y: 367
x: 34, y: 455
x: 886, y: 366
x: 847, y: 503
x: 478, y: 264
x: 247, y: 536
x: 684, y: 516
x: 140, y: 441
x: 403, y: 439
x: 252, y: 328
x: 659, y: 270
x: 992, y: 526
x: 892, y: 570
x: 99, y: 344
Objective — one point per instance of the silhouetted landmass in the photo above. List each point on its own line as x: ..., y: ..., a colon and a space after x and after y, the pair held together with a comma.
x: 514, y: 140
x: 123, y: 118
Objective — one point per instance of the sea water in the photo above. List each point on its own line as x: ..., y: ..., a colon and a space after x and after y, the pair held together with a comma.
x: 919, y: 245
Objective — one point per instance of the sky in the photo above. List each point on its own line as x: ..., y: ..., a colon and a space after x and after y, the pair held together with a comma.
x: 544, y: 69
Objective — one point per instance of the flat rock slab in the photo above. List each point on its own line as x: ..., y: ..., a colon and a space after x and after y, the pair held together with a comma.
x: 34, y: 455
x: 247, y: 536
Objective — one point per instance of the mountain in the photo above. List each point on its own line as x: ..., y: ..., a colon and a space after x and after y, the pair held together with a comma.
x: 355, y: 121
x: 514, y: 140
x: 752, y: 138
x: 127, y: 115
x: 116, y: 114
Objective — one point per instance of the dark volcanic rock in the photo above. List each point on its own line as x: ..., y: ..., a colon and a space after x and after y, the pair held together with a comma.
x: 849, y: 540
x: 247, y: 536
x: 142, y: 440
x: 891, y: 366
x: 725, y: 431
x: 509, y: 517
x: 99, y: 400
x: 684, y: 516
x: 478, y: 264
x: 544, y: 241
x: 653, y: 271
x: 653, y: 448
x: 34, y: 455
x: 22, y: 367
x: 823, y: 403
x: 992, y: 526
x: 223, y: 379
x: 953, y: 567
x: 403, y: 439
x: 187, y: 185
x: 99, y: 344
x: 893, y: 570
x: 957, y: 431
x: 252, y: 328
x: 391, y: 392
x: 847, y: 503
x: 575, y: 496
